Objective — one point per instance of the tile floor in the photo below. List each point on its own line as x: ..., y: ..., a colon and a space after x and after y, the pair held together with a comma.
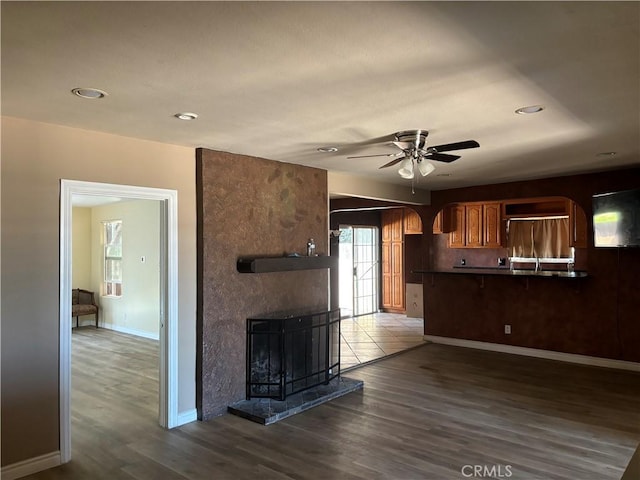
x: 370, y: 337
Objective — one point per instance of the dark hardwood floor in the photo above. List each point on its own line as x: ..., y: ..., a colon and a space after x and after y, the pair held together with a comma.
x: 435, y: 412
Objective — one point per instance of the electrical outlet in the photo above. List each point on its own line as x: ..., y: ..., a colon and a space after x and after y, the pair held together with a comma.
x: 463, y: 261
x: 502, y: 261
x: 507, y: 329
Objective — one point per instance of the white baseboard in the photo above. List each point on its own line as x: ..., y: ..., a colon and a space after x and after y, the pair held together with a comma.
x: 187, y: 417
x: 31, y: 465
x: 535, y: 352
x: 131, y: 331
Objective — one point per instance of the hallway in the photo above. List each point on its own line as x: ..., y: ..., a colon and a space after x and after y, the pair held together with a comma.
x: 374, y: 336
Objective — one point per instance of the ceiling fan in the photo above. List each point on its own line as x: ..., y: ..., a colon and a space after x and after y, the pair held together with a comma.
x: 415, y: 154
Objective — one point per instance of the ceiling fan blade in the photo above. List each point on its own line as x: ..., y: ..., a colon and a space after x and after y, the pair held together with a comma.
x: 377, y: 155
x: 393, y: 162
x: 355, y: 146
x: 441, y: 157
x: 455, y: 146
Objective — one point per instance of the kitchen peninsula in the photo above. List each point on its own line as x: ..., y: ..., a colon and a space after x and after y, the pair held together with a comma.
x: 506, y: 272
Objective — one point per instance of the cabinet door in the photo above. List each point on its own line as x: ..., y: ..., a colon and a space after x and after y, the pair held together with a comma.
x: 492, y: 225
x: 386, y: 275
x: 457, y: 234
x: 412, y: 222
x: 387, y: 225
x: 473, y: 221
x: 396, y: 225
x: 397, y: 275
x: 578, y: 225
x: 437, y: 223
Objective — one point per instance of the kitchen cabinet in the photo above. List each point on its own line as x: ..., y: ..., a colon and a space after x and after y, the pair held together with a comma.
x: 442, y: 222
x: 551, y: 206
x: 412, y: 222
x: 393, y: 260
x: 473, y: 226
x: 578, y: 223
x: 437, y: 223
x: 492, y: 237
x: 457, y: 235
x: 476, y: 225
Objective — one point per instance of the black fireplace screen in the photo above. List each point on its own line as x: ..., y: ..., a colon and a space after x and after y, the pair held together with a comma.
x: 288, y: 352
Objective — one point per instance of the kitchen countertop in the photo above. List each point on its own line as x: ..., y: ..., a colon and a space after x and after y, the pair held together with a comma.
x: 502, y: 271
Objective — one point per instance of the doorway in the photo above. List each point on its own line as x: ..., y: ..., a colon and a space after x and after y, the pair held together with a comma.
x: 70, y: 190
x: 359, y: 266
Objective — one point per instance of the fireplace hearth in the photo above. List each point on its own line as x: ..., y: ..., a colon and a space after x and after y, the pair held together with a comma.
x: 292, y: 351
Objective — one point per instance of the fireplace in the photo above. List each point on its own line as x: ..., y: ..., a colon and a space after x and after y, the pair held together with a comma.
x: 288, y: 352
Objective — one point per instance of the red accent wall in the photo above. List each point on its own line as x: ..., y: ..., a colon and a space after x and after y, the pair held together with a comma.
x: 598, y: 315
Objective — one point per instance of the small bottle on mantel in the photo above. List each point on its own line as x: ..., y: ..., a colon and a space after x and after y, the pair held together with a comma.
x: 311, y: 248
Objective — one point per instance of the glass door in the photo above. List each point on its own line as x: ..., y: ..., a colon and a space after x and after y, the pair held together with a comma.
x: 359, y: 270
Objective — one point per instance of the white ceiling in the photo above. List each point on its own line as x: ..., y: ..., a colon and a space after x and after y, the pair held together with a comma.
x: 278, y: 80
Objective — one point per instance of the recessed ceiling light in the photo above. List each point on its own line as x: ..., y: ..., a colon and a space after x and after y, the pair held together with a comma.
x: 90, y: 93
x: 531, y: 109
x: 186, y: 116
x: 328, y: 149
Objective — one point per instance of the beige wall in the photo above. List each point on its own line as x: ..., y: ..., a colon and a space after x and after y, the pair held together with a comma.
x: 35, y: 156
x: 340, y: 183
x: 137, y: 311
x: 81, y: 254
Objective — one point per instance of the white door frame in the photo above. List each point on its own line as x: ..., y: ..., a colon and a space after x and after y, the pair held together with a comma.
x: 168, y: 391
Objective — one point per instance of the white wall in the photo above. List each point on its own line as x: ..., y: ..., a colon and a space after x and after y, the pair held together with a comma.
x: 35, y: 156
x: 137, y: 311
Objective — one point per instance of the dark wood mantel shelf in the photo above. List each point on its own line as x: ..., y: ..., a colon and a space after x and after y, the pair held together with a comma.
x: 283, y: 264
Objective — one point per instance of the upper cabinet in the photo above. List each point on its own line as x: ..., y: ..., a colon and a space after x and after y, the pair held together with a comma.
x: 392, y: 225
x: 412, y: 222
x: 484, y: 224
x: 457, y: 233
x: 475, y: 225
x: 442, y: 222
x: 578, y: 220
x: 492, y: 225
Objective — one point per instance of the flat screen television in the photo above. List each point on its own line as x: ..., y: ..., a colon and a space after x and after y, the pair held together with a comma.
x: 616, y: 219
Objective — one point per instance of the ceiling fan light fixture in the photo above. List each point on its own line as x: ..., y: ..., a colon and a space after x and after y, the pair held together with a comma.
x: 406, y: 169
x: 425, y: 168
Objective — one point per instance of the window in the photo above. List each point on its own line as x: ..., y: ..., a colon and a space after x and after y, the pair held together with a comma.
x: 112, y: 258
